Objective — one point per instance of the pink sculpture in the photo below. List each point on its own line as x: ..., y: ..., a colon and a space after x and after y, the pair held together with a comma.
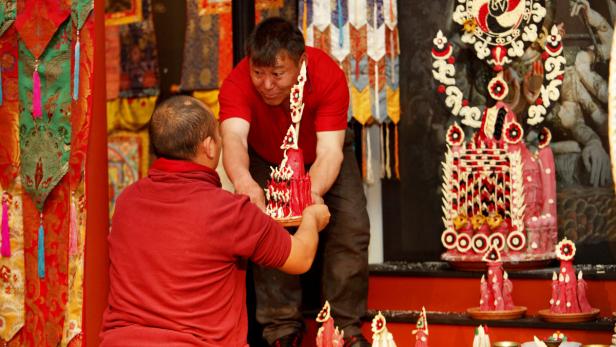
x: 288, y: 191
x: 496, y: 291
x: 571, y: 290
x: 495, y: 172
x: 327, y: 335
x: 421, y: 333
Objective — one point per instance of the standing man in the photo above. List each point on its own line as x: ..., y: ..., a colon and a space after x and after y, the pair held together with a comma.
x: 179, y: 243
x: 255, y: 115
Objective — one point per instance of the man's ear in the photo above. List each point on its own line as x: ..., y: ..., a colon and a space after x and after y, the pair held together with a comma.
x: 209, y: 147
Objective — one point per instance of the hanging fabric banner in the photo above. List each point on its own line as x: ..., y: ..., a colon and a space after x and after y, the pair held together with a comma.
x: 362, y: 36
x: 139, y: 57
x: 208, y: 47
x: 275, y: 8
x: 81, y: 113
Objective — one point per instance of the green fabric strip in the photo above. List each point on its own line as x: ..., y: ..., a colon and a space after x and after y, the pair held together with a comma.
x: 45, y: 142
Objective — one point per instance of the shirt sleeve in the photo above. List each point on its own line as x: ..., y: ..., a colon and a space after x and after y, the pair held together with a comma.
x: 233, y: 102
x: 259, y: 238
x: 334, y: 107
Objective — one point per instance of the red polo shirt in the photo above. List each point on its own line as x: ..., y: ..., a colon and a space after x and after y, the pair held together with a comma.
x: 178, y: 248
x: 326, y: 100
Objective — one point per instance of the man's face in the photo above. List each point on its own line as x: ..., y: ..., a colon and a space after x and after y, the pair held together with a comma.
x: 274, y: 82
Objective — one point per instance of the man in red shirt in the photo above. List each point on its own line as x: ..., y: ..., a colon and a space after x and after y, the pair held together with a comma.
x: 179, y: 243
x: 255, y: 115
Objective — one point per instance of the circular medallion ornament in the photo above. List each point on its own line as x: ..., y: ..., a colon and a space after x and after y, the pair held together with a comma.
x: 565, y: 249
x: 513, y: 132
x: 464, y: 243
x: 455, y: 135
x: 545, y: 137
x: 497, y: 240
x: 480, y: 243
x: 499, y: 23
x: 516, y: 241
x: 498, y: 89
x: 449, y: 239
x: 378, y: 323
x: 324, y: 314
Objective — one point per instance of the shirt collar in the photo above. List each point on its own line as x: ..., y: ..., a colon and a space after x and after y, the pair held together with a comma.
x: 181, y: 166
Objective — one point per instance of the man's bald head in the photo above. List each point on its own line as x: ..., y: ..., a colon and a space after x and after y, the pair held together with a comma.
x: 179, y: 125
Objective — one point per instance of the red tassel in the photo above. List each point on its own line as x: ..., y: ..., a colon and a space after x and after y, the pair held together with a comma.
x: 5, y: 249
x: 36, y: 93
x: 397, y: 170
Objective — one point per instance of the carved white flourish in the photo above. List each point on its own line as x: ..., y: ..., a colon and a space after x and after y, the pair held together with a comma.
x: 535, y: 114
x: 471, y: 116
x: 554, y: 66
x: 516, y: 50
x: 454, y: 99
x: 460, y: 14
x: 538, y: 12
x: 447, y: 188
x: 469, y: 38
x: 439, y: 40
x: 481, y: 47
x: 443, y: 72
x: 517, y: 191
x: 530, y: 33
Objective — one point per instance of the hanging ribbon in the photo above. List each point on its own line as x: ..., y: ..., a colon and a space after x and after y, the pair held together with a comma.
x: 387, y: 156
x: 5, y: 249
x: 305, y: 20
x: 36, y: 92
x: 382, y: 141
x: 41, y: 250
x: 76, y: 69
x: 397, y: 170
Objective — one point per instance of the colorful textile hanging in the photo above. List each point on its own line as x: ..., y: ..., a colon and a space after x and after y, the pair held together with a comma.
x: 275, y: 8
x: 123, y: 12
x: 210, y: 99
x: 129, y: 114
x: 208, y: 47
x: 362, y: 36
x: 81, y: 113
x: 12, y: 274
x: 9, y: 107
x: 44, y: 141
x: 139, y: 57
x: 128, y: 161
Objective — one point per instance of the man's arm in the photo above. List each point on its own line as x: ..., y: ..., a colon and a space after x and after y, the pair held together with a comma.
x: 304, y: 242
x: 325, y: 169
x: 236, y: 162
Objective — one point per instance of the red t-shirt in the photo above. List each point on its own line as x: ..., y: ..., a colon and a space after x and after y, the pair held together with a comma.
x: 326, y: 100
x: 178, y: 248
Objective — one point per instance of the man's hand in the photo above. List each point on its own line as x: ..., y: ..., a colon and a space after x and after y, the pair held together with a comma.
x: 597, y: 163
x: 319, y: 212
x: 247, y: 186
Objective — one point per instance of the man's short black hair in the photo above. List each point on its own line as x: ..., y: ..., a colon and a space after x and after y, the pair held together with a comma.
x: 178, y: 125
x: 272, y: 36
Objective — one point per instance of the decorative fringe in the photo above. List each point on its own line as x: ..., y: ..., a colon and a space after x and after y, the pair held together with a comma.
x: 363, y: 151
x: 41, y: 250
x: 369, y: 172
x: 76, y: 69
x: 397, y: 168
x: 387, y: 164
x: 73, y: 235
x: 36, y: 93
x: 5, y: 249
x: 383, y: 144
x: 340, y: 25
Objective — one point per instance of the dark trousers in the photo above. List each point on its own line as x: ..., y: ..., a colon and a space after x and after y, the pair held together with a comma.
x: 344, y: 247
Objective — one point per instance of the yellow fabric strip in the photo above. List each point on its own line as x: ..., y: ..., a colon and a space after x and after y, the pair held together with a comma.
x: 210, y: 99
x: 129, y: 114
